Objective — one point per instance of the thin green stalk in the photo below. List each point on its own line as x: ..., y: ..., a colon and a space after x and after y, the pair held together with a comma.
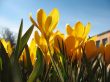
x: 47, y: 72
x: 53, y: 62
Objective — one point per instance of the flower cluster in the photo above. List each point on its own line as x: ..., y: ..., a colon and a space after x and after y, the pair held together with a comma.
x: 74, y: 41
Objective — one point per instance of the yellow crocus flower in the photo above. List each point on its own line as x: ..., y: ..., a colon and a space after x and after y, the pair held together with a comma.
x: 72, y: 47
x: 4, y: 44
x: 78, y: 31
x: 70, y: 30
x: 46, y: 24
x: 81, y: 31
x: 42, y: 44
x: 8, y: 47
x: 90, y: 49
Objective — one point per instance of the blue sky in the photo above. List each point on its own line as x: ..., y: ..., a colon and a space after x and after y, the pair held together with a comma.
x: 97, y: 12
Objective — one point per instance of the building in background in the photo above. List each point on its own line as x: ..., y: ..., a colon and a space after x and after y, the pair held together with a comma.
x: 103, y: 38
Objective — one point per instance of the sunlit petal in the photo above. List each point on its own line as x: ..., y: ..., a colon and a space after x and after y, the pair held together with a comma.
x: 33, y: 49
x: 55, y: 18
x: 48, y: 23
x: 37, y: 37
x: 87, y: 30
x: 41, y: 18
x: 69, y: 30
x: 79, y: 29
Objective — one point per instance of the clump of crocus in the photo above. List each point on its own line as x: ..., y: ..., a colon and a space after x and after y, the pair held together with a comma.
x: 76, y: 38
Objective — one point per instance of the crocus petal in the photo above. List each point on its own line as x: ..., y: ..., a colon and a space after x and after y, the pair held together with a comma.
x: 33, y: 49
x: 42, y: 41
x: 34, y: 23
x: 55, y: 18
x: 79, y: 29
x: 43, y: 45
x: 41, y: 17
x: 37, y: 37
x: 69, y: 30
x: 33, y: 43
x: 90, y: 49
x: 70, y: 45
x: 48, y: 23
x: 87, y: 30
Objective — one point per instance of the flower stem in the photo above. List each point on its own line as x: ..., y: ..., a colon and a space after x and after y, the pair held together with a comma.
x: 54, y: 63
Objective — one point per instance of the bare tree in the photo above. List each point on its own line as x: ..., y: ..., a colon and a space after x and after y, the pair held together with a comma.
x: 8, y: 36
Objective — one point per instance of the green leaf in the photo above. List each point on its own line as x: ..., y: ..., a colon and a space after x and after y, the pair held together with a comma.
x: 18, y: 39
x: 64, y: 74
x: 22, y: 40
x: 37, y: 70
x: 0, y: 64
x: 25, y: 39
x: 28, y: 60
x: 16, y: 50
x: 21, y: 43
x: 17, y: 74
